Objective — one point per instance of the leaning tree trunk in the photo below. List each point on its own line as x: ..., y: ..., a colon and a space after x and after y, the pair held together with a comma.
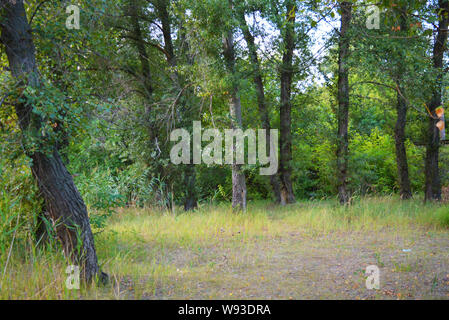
x: 285, y: 159
x: 63, y: 201
x: 343, y: 104
x: 238, y: 177
x: 401, y: 121
x: 433, y: 183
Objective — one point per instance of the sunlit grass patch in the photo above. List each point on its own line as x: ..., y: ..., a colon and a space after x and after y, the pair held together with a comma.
x: 213, y: 252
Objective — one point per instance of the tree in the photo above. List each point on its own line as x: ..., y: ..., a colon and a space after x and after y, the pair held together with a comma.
x: 260, y: 91
x: 432, y: 181
x: 286, y: 77
x: 343, y: 102
x: 401, y: 120
x: 235, y: 108
x: 63, y: 201
x: 179, y: 83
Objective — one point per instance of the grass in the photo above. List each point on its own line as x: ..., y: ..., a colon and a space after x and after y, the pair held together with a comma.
x: 313, y: 249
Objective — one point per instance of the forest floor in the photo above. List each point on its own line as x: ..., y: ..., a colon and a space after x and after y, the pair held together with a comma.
x: 310, y: 250
x: 305, y: 251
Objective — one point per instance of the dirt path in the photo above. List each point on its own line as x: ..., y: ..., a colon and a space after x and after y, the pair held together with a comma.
x: 413, y: 265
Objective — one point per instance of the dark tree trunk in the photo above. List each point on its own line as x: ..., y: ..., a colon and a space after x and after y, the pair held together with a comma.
x: 43, y: 232
x: 63, y: 201
x: 401, y: 152
x: 67, y: 210
x: 162, y: 7
x: 433, y: 183
x: 399, y: 133
x: 258, y: 82
x: 238, y: 176
x: 285, y: 165
x: 142, y: 51
x: 190, y: 200
x: 343, y: 103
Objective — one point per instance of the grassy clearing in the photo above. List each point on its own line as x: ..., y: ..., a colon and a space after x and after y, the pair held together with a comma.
x: 307, y: 250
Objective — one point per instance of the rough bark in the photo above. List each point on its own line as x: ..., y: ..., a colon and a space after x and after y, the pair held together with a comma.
x: 63, y: 201
x: 285, y: 159
x: 401, y: 121
x: 260, y: 91
x: 432, y: 181
x: 238, y: 176
x: 343, y: 103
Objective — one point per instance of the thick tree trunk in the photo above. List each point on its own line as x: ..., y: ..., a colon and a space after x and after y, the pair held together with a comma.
x: 399, y: 133
x: 432, y: 182
x: 285, y: 159
x: 63, y: 201
x: 343, y: 103
x: 258, y: 82
x: 67, y: 210
x: 238, y: 177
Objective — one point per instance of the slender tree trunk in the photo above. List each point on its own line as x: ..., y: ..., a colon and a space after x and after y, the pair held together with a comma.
x: 401, y: 152
x: 162, y: 7
x: 401, y: 121
x: 190, y: 200
x: 142, y: 51
x: 63, y: 201
x: 285, y: 160
x: 343, y: 103
x: 258, y: 82
x: 432, y: 182
x: 238, y: 176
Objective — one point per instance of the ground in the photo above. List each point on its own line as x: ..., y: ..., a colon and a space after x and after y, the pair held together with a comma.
x: 310, y: 250
x: 272, y: 257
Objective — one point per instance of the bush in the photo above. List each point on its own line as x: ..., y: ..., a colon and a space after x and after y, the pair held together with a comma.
x: 442, y: 215
x: 19, y: 204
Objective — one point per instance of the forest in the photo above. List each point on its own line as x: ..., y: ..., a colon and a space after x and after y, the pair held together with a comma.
x: 223, y: 149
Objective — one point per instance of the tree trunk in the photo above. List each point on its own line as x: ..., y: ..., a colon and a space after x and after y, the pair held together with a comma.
x: 401, y: 121
x: 190, y: 200
x: 258, y: 82
x: 63, y: 201
x: 343, y: 104
x: 401, y: 152
x: 143, y: 55
x: 432, y: 182
x: 238, y: 177
x: 67, y: 210
x: 285, y: 159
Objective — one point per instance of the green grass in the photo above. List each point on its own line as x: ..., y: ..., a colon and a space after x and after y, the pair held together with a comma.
x: 215, y: 253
